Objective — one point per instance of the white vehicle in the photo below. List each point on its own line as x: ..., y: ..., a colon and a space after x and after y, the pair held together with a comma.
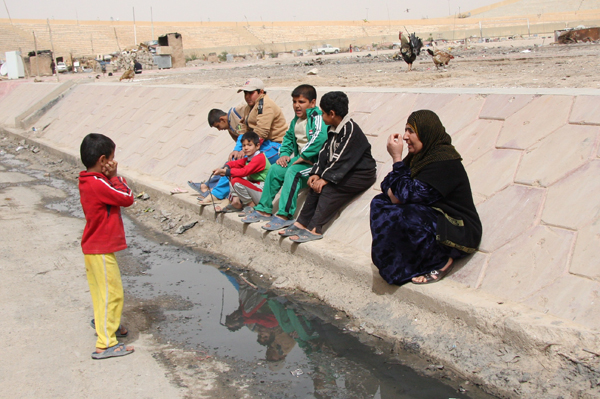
x: 326, y: 49
x: 61, y: 67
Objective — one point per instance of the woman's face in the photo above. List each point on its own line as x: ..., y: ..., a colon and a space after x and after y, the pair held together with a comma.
x: 412, y: 140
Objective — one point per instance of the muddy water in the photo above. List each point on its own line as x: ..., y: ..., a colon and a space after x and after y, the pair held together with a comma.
x: 280, y: 346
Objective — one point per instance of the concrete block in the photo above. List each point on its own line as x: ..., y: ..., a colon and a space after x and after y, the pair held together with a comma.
x: 476, y: 139
x: 433, y: 102
x: 535, y: 260
x: 586, y: 256
x: 468, y: 270
x: 554, y: 157
x: 586, y: 111
x: 501, y: 164
x: 575, y: 200
x: 501, y: 106
x: 460, y: 112
x: 508, y: 214
x: 571, y: 298
x: 535, y: 121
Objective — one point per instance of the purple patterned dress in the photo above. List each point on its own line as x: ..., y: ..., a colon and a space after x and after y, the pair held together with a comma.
x: 404, y: 235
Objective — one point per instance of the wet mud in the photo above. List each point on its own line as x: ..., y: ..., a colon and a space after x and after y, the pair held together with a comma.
x: 268, y: 344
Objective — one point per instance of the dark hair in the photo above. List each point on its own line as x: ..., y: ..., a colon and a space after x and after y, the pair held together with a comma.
x: 336, y: 101
x: 307, y: 91
x: 214, y: 115
x: 93, y: 146
x: 252, y: 137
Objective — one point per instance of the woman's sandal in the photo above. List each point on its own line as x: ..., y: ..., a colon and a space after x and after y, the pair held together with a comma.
x: 306, y: 236
x: 277, y: 223
x: 290, y: 231
x: 435, y: 275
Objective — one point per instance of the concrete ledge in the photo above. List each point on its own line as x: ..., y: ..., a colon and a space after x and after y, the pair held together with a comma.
x: 527, y: 299
x: 35, y: 112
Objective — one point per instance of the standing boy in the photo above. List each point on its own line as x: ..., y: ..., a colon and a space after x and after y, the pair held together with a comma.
x: 103, y: 194
x: 303, y: 141
x: 344, y: 169
x: 246, y: 175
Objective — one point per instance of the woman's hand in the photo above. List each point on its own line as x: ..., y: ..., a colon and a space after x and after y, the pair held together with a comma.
x: 392, y: 197
x: 395, y: 145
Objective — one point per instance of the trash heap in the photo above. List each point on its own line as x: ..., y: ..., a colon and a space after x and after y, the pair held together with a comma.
x: 127, y: 58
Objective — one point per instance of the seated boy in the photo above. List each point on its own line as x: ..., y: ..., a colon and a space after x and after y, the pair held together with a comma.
x: 231, y: 122
x: 247, y: 175
x: 303, y: 141
x: 102, y: 195
x: 259, y: 114
x: 344, y: 169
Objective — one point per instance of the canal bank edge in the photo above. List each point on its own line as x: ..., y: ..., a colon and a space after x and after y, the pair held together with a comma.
x: 490, y: 339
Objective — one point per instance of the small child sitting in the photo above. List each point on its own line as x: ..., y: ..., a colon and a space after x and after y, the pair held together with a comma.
x: 344, y: 169
x: 303, y: 141
x: 247, y: 175
x: 230, y: 122
x: 102, y: 195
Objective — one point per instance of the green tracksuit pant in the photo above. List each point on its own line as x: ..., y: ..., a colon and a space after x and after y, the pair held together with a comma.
x: 290, y: 180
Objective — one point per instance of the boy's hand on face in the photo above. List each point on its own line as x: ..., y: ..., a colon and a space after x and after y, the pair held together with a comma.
x: 110, y: 169
x: 283, y: 161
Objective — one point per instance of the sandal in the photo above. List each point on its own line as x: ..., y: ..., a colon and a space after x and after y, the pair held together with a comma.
x: 306, y: 236
x: 435, y: 275
x: 290, y: 231
x: 209, y: 200
x: 246, y: 211
x: 229, y: 209
x: 113, y: 351
x: 118, y: 333
x: 277, y: 223
x: 256, y: 217
x: 198, y: 187
x: 178, y: 190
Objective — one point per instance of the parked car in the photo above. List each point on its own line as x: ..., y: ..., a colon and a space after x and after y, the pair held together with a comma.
x: 326, y: 49
x: 61, y: 67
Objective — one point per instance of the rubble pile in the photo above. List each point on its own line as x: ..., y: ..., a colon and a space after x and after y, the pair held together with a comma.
x: 127, y: 58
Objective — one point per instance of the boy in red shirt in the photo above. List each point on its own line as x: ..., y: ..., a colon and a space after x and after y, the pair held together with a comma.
x: 103, y: 194
x: 247, y: 175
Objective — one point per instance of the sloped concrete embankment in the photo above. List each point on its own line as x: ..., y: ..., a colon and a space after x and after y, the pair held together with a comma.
x: 521, y: 315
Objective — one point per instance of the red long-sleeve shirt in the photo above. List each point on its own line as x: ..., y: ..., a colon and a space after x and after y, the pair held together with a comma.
x: 102, y: 200
x: 246, y: 167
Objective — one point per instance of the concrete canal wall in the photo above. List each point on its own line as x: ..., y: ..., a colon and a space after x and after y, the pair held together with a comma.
x: 532, y: 156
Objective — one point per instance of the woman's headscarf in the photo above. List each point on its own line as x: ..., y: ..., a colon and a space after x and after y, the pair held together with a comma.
x: 437, y: 144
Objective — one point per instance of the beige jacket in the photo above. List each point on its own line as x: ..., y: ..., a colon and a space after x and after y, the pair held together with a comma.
x: 266, y: 119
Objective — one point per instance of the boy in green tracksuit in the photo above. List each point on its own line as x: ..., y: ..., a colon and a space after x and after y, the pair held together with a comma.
x: 299, y: 150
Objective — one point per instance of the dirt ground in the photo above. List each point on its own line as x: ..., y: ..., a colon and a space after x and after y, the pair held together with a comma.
x: 524, y: 63
x: 519, y: 63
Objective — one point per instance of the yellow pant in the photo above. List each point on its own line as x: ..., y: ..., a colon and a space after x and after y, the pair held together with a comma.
x: 106, y: 288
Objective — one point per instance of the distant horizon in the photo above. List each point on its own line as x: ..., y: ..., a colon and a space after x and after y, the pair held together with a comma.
x: 261, y: 11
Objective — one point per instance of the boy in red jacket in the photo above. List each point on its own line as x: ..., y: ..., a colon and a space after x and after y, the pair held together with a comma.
x: 246, y: 175
x: 103, y: 194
